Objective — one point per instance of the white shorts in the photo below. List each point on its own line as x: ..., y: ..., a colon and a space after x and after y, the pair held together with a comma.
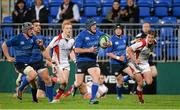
x: 142, y: 68
x: 64, y: 66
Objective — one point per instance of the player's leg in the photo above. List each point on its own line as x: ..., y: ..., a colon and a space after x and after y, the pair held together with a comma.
x: 44, y: 74
x: 139, y: 80
x: 66, y: 74
x: 95, y: 74
x: 30, y: 75
x: 79, y: 78
x: 41, y: 88
x: 81, y: 68
x: 153, y: 71
x: 62, y: 79
x: 33, y: 85
x: 148, y: 77
x: 119, y: 83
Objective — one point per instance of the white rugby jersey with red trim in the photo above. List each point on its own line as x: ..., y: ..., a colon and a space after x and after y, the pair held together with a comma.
x: 142, y: 51
x: 61, y: 48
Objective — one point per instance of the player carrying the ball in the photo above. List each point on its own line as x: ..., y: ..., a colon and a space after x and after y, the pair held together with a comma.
x: 87, y: 44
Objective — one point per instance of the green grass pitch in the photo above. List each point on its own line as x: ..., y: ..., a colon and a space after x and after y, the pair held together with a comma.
x: 7, y: 101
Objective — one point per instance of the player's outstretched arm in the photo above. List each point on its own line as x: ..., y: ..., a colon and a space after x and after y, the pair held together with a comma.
x: 6, y: 53
x: 85, y: 50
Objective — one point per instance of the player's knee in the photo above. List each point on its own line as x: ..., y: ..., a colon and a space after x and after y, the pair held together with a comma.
x: 149, y: 81
x: 30, y: 72
x: 78, y: 83
x: 119, y: 79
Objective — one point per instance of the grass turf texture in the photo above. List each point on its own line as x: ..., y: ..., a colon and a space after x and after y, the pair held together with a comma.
x: 7, y: 101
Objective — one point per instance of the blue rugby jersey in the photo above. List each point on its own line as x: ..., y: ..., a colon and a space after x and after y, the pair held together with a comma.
x: 85, y: 39
x: 118, y: 48
x: 22, y: 46
x: 36, y: 52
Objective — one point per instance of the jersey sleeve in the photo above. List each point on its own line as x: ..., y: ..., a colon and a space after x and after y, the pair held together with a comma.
x: 137, y: 45
x: 12, y: 42
x: 79, y: 41
x: 54, y: 42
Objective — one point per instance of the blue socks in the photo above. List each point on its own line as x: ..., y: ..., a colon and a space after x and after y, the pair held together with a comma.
x: 119, y: 90
x: 49, y: 92
x: 94, y: 90
x: 23, y: 84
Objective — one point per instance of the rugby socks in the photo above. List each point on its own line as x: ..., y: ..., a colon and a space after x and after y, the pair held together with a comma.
x: 24, y: 83
x: 126, y: 78
x: 119, y: 90
x: 94, y: 90
x: 49, y: 92
x: 140, y: 94
x: 34, y: 92
x: 59, y: 94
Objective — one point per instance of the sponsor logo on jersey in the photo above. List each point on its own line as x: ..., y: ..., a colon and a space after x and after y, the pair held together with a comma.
x: 22, y: 43
x: 116, y: 43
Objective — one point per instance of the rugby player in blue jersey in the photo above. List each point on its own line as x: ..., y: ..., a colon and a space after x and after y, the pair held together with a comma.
x: 86, y: 49
x: 25, y: 62
x: 118, y: 60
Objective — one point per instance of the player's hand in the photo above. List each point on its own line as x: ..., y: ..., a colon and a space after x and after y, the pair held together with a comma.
x: 92, y: 50
x: 107, y: 44
x: 121, y: 58
x: 11, y: 59
x: 39, y: 42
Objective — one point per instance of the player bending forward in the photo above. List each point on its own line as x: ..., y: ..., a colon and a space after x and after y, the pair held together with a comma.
x: 139, y: 54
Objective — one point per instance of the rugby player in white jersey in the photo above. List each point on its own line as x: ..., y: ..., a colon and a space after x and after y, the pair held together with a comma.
x: 85, y: 89
x: 138, y: 54
x: 62, y: 49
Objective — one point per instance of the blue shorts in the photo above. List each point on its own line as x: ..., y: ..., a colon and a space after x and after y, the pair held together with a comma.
x: 117, y: 69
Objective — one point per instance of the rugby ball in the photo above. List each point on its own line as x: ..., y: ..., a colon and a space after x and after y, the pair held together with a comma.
x: 104, y: 39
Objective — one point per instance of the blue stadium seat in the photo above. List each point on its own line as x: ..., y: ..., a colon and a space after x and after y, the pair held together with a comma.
x: 57, y: 1
x: 123, y: 3
x: 97, y: 2
x: 79, y: 2
x: 46, y: 2
x: 144, y: 10
x: 7, y: 19
x: 151, y: 19
x: 176, y: 10
x: 166, y: 33
x: 105, y: 9
x: 149, y: 2
x: 176, y: 1
x: 54, y: 8
x: 161, y: 9
x: 98, y: 19
x: 169, y: 20
x: 29, y: 3
x: 90, y: 10
x: 83, y: 19
x: 107, y: 1
x: 7, y: 31
x: 168, y: 2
